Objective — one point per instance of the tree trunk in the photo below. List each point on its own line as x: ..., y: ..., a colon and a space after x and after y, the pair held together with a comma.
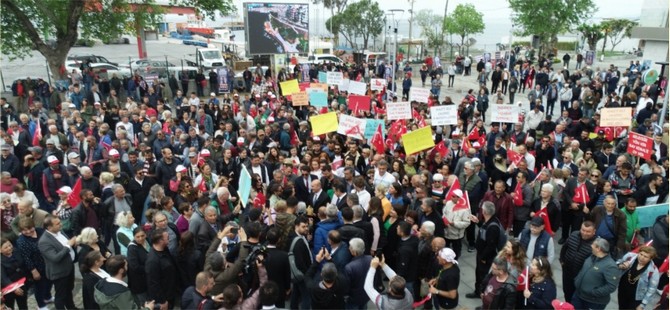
x: 460, y: 48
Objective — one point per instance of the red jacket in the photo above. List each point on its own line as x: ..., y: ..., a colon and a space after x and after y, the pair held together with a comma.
x: 504, y: 207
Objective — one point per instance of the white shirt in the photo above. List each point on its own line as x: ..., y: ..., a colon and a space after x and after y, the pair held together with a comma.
x: 63, y: 240
x: 363, y: 198
x: 387, y: 179
x: 28, y: 196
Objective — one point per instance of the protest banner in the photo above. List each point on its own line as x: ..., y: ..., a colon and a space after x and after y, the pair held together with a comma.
x: 371, y: 127
x: 303, y: 86
x: 613, y: 117
x: 377, y: 84
x: 398, y: 110
x: 323, y: 77
x: 289, y: 87
x: 357, y: 88
x: 323, y: 123
x: 419, y: 94
x: 317, y: 98
x: 245, y: 186
x: 504, y: 113
x: 640, y: 145
x: 344, y: 86
x: 357, y: 103
x: 648, y: 214
x: 418, y: 140
x: 444, y: 115
x: 334, y: 78
x: 352, y: 126
x: 300, y: 99
x: 322, y: 86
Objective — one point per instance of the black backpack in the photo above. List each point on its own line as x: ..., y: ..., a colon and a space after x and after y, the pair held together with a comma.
x: 502, y: 240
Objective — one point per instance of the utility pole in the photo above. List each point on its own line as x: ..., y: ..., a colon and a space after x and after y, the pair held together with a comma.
x: 411, y: 21
x: 395, y: 48
x: 444, y: 21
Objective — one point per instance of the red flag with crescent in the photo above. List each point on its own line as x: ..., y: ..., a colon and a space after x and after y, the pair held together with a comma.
x: 545, y: 217
x: 378, y: 140
x: 581, y: 194
x: 463, y: 203
x: 518, y: 196
x: 513, y: 156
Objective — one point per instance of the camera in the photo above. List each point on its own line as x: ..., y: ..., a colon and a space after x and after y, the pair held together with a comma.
x: 250, y: 260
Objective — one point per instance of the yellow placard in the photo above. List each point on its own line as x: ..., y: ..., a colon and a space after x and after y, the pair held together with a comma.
x: 300, y: 98
x: 418, y: 140
x: 325, y: 123
x: 322, y: 86
x: 289, y: 87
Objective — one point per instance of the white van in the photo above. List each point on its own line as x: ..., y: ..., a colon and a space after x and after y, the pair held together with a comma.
x: 325, y: 58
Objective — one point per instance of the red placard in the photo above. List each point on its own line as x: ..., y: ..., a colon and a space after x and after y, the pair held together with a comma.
x: 357, y: 102
x: 640, y: 145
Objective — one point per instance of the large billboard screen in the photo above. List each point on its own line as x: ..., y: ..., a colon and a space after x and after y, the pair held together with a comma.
x: 277, y: 28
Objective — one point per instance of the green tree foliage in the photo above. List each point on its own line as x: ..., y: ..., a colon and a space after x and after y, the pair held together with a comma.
x: 427, y: 22
x: 52, y: 26
x: 464, y: 21
x: 616, y: 30
x: 361, y: 19
x: 592, y: 33
x: 336, y: 7
x: 548, y: 18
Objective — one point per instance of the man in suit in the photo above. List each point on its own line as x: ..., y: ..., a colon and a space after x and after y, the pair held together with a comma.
x: 318, y: 198
x: 138, y: 188
x: 339, y: 251
x: 573, y: 212
x: 275, y: 263
x: 59, y: 254
x: 302, y: 183
x: 340, y: 195
x: 208, y: 229
x: 660, y: 148
x: 257, y: 167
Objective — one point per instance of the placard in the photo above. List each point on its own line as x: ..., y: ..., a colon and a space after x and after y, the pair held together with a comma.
x: 377, y: 84
x: 444, y: 115
x: 398, y: 110
x: 318, y: 98
x: 323, y: 77
x: 289, y: 87
x: 371, y: 127
x: 357, y: 103
x: 358, y: 88
x: 300, y: 99
x: 648, y: 214
x: 504, y: 113
x: 334, y: 78
x: 419, y: 94
x: 344, y: 86
x: 303, y: 86
x: 322, y: 86
x: 418, y: 140
x: 640, y: 145
x: 323, y: 123
x: 613, y: 117
x: 352, y: 126
x: 245, y: 186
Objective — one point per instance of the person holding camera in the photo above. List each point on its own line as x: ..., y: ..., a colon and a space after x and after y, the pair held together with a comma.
x: 329, y: 291
x: 112, y: 292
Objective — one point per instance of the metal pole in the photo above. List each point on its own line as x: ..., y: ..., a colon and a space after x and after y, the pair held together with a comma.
x: 2, y: 80
x: 411, y: 21
x: 664, y: 110
x: 444, y: 20
x: 395, y: 57
x: 48, y: 73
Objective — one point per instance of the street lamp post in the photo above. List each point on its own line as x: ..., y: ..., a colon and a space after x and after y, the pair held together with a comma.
x: 395, y: 47
x: 411, y: 21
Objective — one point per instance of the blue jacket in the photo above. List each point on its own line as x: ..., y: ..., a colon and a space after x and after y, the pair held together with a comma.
x: 342, y: 256
x: 76, y: 99
x: 406, y: 83
x: 321, y: 234
x: 285, y: 141
x: 646, y: 287
x: 355, y: 271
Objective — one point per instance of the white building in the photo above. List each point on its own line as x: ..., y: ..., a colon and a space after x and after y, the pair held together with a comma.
x: 653, y: 30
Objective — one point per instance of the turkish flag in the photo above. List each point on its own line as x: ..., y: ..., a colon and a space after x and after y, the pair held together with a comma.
x: 463, y: 203
x: 398, y: 128
x: 664, y: 266
x: 482, y: 140
x: 474, y: 134
x: 522, y: 280
x: 378, y: 140
x: 454, y: 186
x: 336, y: 164
x: 73, y: 199
x: 465, y: 146
x: 203, y: 186
x: 609, y: 132
x: 38, y: 134
x: 357, y: 103
x: 581, y: 194
x: 518, y: 196
x: 634, y: 242
x: 545, y: 217
x: 442, y: 149
x: 513, y: 156
x: 294, y: 138
x: 648, y: 243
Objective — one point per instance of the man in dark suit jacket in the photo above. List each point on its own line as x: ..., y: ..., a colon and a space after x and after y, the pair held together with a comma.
x: 340, y: 195
x: 59, y: 254
x: 208, y: 229
x: 138, y: 188
x: 275, y: 263
x: 303, y: 183
x: 573, y: 212
x: 339, y: 251
x: 365, y: 226
x: 318, y: 198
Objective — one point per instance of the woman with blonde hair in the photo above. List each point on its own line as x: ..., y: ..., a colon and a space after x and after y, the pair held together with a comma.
x: 89, y: 241
x: 639, y: 279
x: 380, y: 192
x: 106, y: 183
x: 124, y: 235
x: 156, y: 193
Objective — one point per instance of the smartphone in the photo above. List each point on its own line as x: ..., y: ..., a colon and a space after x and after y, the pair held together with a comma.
x: 233, y: 230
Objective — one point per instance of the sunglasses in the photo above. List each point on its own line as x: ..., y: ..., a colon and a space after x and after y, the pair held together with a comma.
x: 595, y: 176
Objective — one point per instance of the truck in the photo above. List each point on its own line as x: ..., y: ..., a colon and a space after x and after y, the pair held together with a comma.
x: 208, y: 58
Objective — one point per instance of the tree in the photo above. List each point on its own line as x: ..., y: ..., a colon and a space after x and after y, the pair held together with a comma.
x: 363, y: 18
x: 52, y: 26
x: 336, y: 7
x: 464, y: 21
x: 343, y: 27
x: 427, y: 22
x: 616, y: 30
x: 592, y: 34
x: 548, y: 18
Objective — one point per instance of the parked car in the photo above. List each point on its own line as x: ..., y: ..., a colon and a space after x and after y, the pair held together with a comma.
x: 81, y: 58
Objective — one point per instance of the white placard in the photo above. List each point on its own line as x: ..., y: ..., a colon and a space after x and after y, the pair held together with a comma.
x: 505, y: 113
x: 358, y: 88
x: 419, y: 94
x: 334, y: 78
x: 444, y: 115
x: 352, y: 126
x: 344, y: 86
x: 398, y: 110
x: 377, y: 84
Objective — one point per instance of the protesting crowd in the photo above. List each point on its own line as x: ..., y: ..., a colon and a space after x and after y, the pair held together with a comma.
x: 165, y: 199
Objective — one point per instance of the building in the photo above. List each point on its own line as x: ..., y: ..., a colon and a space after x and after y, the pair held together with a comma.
x: 653, y: 30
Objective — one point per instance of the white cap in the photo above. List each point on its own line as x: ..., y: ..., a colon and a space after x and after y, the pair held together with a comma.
x: 52, y: 160
x: 458, y: 192
x: 180, y: 168
x: 114, y: 152
x: 448, y: 255
x: 212, y: 94
x: 438, y: 177
x: 64, y: 190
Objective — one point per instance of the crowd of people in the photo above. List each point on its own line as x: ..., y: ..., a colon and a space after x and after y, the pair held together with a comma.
x: 144, y: 195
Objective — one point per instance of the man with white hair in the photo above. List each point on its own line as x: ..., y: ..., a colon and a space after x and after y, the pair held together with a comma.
x: 426, y: 256
x: 577, y: 153
x: 355, y: 272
